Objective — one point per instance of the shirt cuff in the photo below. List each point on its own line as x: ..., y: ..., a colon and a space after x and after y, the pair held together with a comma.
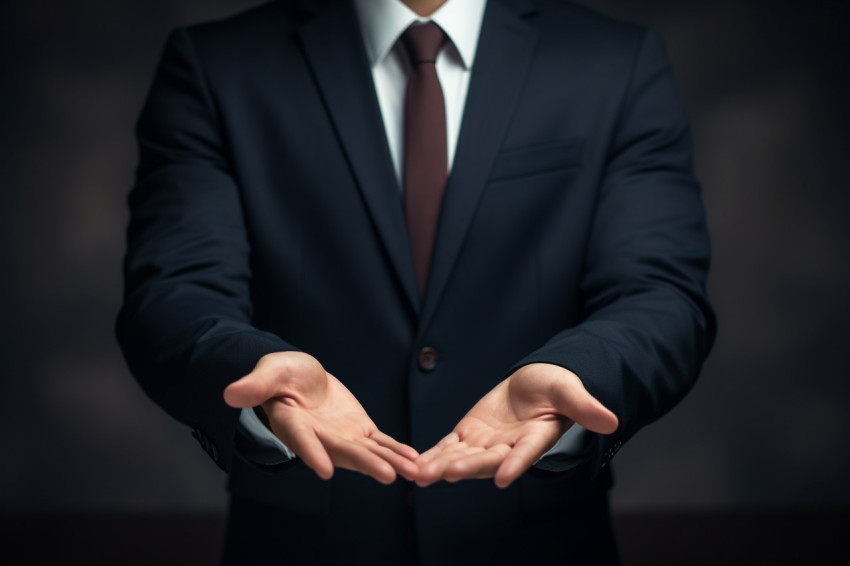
x: 260, y: 445
x: 570, y: 451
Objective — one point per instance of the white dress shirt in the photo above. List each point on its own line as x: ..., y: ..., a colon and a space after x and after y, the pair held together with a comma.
x: 382, y: 23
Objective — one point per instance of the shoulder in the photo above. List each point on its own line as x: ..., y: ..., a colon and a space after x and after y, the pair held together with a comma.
x: 243, y: 39
x: 566, y: 15
x: 567, y: 29
x: 268, y: 15
x: 568, y: 23
x: 255, y: 29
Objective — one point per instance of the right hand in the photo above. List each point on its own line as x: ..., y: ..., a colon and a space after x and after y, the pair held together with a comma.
x: 319, y: 419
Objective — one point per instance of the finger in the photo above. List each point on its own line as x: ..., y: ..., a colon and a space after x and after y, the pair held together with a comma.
x: 524, y: 453
x: 445, y: 454
x: 254, y: 389
x: 575, y: 402
x: 435, y: 470
x: 306, y: 444
x: 434, y: 451
x: 356, y: 457
x: 402, y: 465
x: 478, y: 465
x: 391, y: 443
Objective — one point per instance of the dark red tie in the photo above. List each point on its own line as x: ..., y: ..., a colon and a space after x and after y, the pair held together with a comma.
x: 425, y: 160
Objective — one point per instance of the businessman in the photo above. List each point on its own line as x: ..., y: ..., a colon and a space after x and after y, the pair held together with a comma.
x: 367, y: 228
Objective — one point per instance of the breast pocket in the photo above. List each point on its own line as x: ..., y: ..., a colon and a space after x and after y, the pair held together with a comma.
x: 538, y: 159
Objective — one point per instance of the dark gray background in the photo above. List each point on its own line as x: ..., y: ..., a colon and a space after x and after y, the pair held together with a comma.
x: 766, y: 84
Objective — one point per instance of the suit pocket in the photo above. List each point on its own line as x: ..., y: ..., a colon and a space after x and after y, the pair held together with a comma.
x: 537, y: 159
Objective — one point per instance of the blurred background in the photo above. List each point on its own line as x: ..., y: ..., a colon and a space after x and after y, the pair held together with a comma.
x: 767, y: 86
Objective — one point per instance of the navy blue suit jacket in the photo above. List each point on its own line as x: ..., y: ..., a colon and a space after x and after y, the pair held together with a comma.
x: 266, y: 216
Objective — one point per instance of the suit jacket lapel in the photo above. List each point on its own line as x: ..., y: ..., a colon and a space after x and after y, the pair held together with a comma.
x: 505, y: 49
x: 334, y: 49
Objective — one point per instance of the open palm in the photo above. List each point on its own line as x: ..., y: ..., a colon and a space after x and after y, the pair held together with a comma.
x: 513, y: 425
x: 319, y: 419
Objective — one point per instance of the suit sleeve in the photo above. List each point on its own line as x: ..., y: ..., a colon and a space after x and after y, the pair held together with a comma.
x: 647, y: 324
x: 185, y: 325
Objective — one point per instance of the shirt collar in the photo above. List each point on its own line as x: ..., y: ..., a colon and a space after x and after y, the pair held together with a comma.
x: 383, y: 21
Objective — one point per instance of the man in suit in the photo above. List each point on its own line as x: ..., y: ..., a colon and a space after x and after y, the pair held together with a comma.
x: 276, y: 299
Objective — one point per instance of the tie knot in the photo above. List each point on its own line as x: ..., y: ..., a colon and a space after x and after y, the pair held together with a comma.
x: 422, y: 42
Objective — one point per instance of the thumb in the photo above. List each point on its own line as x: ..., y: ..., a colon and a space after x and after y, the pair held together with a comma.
x: 254, y: 389
x: 574, y: 401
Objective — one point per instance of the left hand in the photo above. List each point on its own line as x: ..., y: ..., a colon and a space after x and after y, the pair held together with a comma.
x: 512, y: 426
x: 319, y: 419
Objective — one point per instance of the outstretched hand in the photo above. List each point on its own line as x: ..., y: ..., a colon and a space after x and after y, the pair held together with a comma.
x: 512, y: 426
x: 319, y: 419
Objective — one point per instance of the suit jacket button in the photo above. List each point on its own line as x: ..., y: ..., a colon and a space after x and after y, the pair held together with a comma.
x: 427, y: 359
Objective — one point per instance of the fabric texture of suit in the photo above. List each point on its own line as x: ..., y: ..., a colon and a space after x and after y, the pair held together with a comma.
x: 267, y: 217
